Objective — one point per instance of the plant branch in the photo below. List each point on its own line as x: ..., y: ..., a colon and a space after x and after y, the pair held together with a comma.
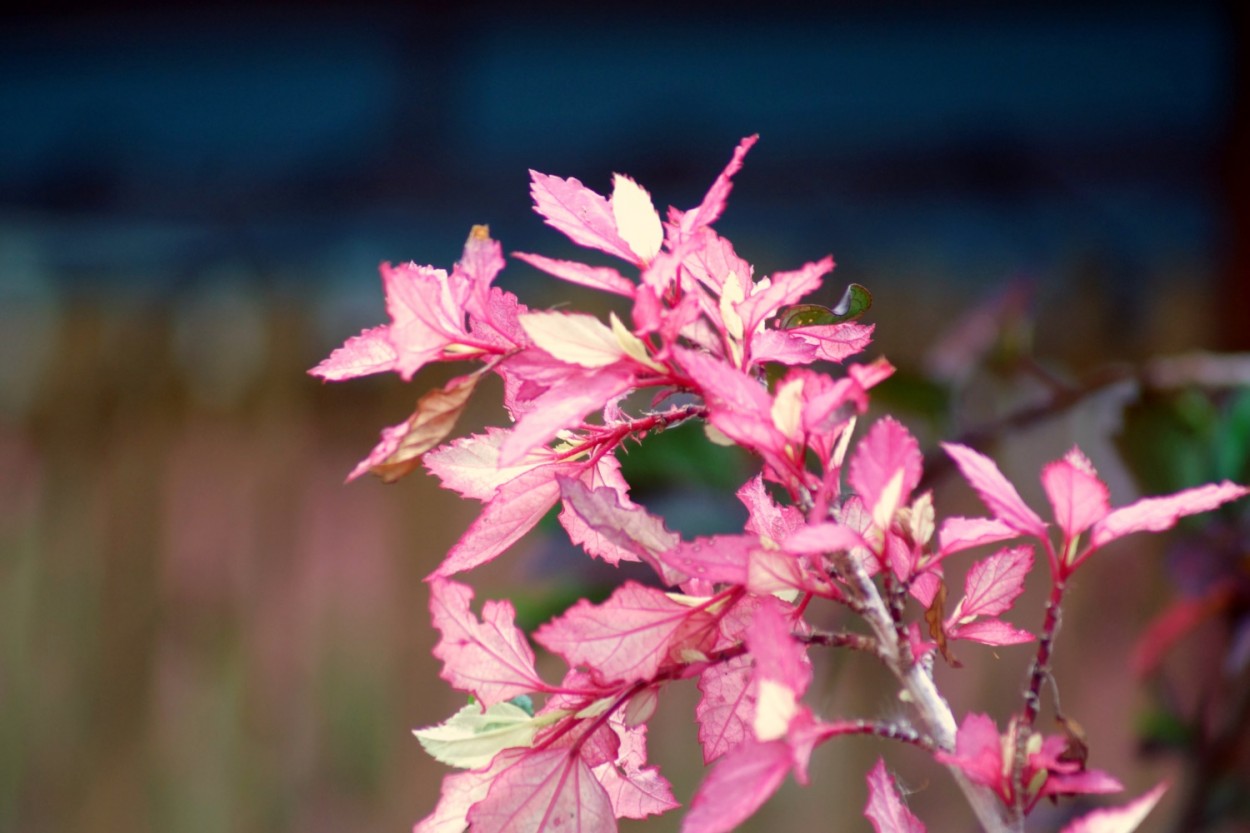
x: 935, y: 713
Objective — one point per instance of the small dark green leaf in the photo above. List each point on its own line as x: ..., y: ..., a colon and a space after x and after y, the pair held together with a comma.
x: 805, y: 315
x: 855, y: 302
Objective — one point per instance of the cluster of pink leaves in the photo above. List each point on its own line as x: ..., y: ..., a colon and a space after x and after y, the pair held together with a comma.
x: 726, y: 610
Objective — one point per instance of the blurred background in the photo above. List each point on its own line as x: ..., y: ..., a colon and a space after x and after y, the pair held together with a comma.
x: 202, y: 629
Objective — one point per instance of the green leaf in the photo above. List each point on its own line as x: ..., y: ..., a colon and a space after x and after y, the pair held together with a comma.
x: 471, y: 738
x: 855, y: 302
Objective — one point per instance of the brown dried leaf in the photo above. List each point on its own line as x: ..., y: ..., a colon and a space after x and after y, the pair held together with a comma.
x: 435, y: 417
x: 936, y: 617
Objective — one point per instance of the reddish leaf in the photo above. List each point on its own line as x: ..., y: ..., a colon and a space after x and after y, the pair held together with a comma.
x: 782, y: 288
x: 630, y: 636
x: 402, y: 445
x: 803, y: 345
x: 549, y: 791
x: 768, y: 519
x: 1002, y: 499
x: 489, y: 658
x: 885, y: 810
x: 1177, y: 621
x: 778, y: 655
x: 978, y: 751
x: 782, y: 671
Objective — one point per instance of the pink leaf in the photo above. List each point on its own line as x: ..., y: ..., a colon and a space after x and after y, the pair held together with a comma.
x: 369, y: 352
x: 1123, y: 819
x: 461, y: 791
x: 803, y: 345
x: 489, y: 658
x: 635, y: 790
x: 516, y: 508
x: 581, y: 214
x: 605, y: 474
x: 990, y: 632
x: 782, y: 671
x: 889, y: 451
x: 630, y: 636
x: 783, y: 288
x: 885, y: 810
x: 470, y: 465
x: 992, y: 585
x: 737, y: 786
x: 595, y: 277
x: 550, y: 791
x: 727, y: 707
x: 978, y: 751
x: 713, y: 203
x: 627, y: 527
x: 768, y: 519
x: 778, y: 656
x: 1155, y: 514
x: 825, y: 537
x: 725, y: 385
x: 715, y: 558
x: 427, y: 308
x: 1076, y: 494
x: 561, y: 407
x: 959, y: 534
x: 996, y: 491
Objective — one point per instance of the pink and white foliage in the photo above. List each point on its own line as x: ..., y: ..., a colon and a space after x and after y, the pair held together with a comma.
x: 727, y: 707
x: 630, y: 636
x: 1048, y: 770
x: 996, y: 491
x: 514, y: 509
x: 990, y: 588
x: 1079, y: 501
x: 548, y: 791
x: 738, y: 785
x: 885, y: 810
x: 490, y: 659
x: 886, y: 468
x: 842, y: 528
x: 635, y: 789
